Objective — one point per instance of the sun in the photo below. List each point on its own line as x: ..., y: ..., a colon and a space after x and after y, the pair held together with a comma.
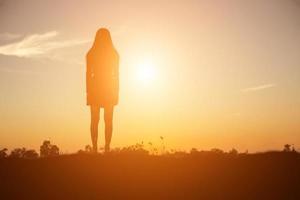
x: 146, y: 72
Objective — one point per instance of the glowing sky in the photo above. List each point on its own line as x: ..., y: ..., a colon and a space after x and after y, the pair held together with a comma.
x: 222, y: 73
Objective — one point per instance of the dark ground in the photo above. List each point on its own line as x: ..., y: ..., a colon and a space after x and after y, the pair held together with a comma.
x: 273, y: 175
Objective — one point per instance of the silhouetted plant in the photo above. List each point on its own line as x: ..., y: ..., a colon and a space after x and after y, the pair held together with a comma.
x: 217, y: 151
x: 194, y: 151
x: 233, y: 152
x: 47, y: 149
x: 80, y: 151
x: 3, y: 153
x: 150, y: 147
x: 163, y: 150
x: 137, y: 149
x: 87, y: 149
x: 287, y: 148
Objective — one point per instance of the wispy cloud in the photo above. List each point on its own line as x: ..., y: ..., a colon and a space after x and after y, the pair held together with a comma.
x: 38, y: 45
x: 259, y: 87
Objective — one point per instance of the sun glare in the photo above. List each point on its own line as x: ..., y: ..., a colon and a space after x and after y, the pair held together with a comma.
x: 146, y: 72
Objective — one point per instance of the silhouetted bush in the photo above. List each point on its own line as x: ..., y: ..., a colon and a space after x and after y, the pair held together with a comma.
x: 30, y: 154
x: 17, y: 153
x: 87, y: 149
x: 194, y: 151
x: 137, y: 149
x: 23, y: 153
x: 47, y: 149
x: 3, y: 153
x: 287, y: 148
x: 217, y: 151
x: 233, y: 152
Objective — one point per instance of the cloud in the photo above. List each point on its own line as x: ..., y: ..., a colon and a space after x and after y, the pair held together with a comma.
x: 259, y: 87
x: 38, y: 45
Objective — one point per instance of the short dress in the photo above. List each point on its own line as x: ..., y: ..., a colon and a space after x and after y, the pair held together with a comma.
x: 102, y: 78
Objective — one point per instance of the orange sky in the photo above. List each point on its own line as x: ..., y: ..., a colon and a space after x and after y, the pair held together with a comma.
x: 223, y: 74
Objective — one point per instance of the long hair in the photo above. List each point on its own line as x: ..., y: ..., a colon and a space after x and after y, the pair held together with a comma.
x: 102, y: 41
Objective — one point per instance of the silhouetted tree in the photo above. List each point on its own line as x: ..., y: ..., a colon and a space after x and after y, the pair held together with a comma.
x: 3, y: 153
x: 47, y: 149
x: 54, y: 151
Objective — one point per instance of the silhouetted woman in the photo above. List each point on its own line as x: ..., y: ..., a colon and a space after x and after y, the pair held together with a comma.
x: 102, y: 84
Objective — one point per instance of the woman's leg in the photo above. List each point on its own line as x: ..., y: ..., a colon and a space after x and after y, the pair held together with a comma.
x: 108, y: 119
x: 95, y: 113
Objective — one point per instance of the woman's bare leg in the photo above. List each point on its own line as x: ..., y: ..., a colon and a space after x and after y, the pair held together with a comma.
x: 108, y: 119
x: 95, y: 116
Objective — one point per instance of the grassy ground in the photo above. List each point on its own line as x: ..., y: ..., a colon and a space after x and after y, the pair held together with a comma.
x: 198, y: 175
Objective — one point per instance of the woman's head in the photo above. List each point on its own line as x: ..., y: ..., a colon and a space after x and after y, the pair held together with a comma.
x: 103, y: 39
